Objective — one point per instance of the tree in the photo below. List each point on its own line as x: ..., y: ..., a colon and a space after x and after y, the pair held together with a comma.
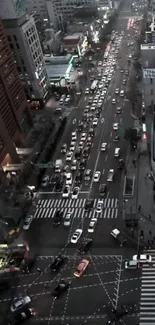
x: 131, y: 136
x: 131, y: 93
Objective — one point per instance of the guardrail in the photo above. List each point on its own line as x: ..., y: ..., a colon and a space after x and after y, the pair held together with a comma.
x: 129, y: 185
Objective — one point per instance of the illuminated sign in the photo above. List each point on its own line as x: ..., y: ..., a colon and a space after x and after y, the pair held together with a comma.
x: 149, y: 73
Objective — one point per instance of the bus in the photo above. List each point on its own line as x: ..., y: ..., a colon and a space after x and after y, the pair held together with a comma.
x: 94, y: 85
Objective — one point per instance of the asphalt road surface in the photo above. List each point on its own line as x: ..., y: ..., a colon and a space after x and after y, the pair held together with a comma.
x: 106, y: 283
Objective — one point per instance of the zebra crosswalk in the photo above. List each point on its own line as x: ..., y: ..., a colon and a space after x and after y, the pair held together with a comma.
x: 47, y: 208
x: 147, y: 300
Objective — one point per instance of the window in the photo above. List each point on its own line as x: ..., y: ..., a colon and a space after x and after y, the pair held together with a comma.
x: 151, y: 81
x: 9, y: 38
x: 151, y: 91
x: 15, y: 38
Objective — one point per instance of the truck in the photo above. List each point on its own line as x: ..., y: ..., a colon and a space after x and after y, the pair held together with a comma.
x: 115, y: 233
x: 110, y: 175
x: 58, y: 165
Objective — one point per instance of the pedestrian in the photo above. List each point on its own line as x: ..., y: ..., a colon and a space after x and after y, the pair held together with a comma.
x: 149, y: 216
x: 139, y: 208
x: 150, y: 232
x: 145, y: 177
x: 38, y: 270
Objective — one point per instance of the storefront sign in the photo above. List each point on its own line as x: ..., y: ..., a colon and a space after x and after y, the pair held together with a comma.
x: 149, y: 73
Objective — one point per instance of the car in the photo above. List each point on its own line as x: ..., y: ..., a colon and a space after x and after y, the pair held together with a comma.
x: 68, y: 219
x: 59, y: 185
x: 99, y: 207
x: 113, y: 101
x: 122, y: 93
x: 19, y: 303
x: 126, y: 72
x: 92, y: 225
x: 74, y: 164
x: 87, y: 175
x: 66, y: 191
x: 27, y: 222
x: 115, y: 126
x: 124, y: 82
x: 68, y: 179
x: 69, y: 156
x: 97, y: 176
x: 75, y: 192
x: 103, y: 189
x: 76, y: 236
x: 78, y: 178
x: 82, y: 164
x: 87, y: 91
x: 93, y: 107
x: 57, y: 263
x: 81, y: 267
x: 117, y: 91
x: 64, y: 148
x: 110, y: 175
x: 117, y: 152
x: 85, y: 246
x: 81, y: 145
x: 95, y: 121
x: 116, y: 138
x: 118, y: 110
x: 122, y: 70
x: 121, y: 164
x: 72, y: 147
x: 57, y: 218
x: 89, y: 204
x: 83, y: 136
x: 131, y: 265
x: 80, y: 126
x: 45, y: 181
x: 86, y: 152
x: 60, y: 289
x: 104, y: 146
x: 142, y: 258
x: 91, y: 132
x: 74, y: 136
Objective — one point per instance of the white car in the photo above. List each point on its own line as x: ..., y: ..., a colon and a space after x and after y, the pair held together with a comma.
x: 97, y: 176
x: 110, y: 175
x: 68, y: 219
x: 74, y: 164
x: 99, y: 207
x: 117, y: 152
x: 68, y: 179
x: 83, y: 136
x: 27, y: 222
x: 93, y: 107
x: 142, y: 258
x: 104, y: 146
x: 69, y: 156
x: 74, y: 136
x: 75, y: 192
x: 92, y: 225
x: 122, y: 93
x: 77, y: 234
x: 113, y: 101
x: 18, y: 303
x: 117, y: 91
x: 66, y: 191
x: 87, y: 91
x: 95, y: 121
x: 115, y: 126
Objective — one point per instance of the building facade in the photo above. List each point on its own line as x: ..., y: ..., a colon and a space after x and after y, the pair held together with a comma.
x: 52, y: 43
x: 148, y: 65
x: 38, y: 8
x: 25, y: 45
x: 15, y: 120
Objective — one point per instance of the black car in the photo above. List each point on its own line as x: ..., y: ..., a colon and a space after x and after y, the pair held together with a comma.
x: 116, y: 138
x: 17, y: 319
x: 57, y: 217
x: 121, y: 164
x: 89, y: 204
x: 82, y: 164
x: 60, y: 289
x: 86, y: 152
x: 103, y: 189
x: 85, y: 246
x: 78, y: 153
x: 80, y: 126
x: 78, y: 178
x: 57, y: 263
x: 59, y: 186
x: 91, y: 132
x: 97, y: 114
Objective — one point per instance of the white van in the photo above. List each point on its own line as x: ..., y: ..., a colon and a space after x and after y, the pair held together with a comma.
x: 117, y: 152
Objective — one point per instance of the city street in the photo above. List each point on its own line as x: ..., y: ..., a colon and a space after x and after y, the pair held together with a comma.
x: 105, y: 284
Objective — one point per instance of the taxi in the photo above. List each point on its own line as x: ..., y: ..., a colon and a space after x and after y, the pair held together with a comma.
x: 81, y: 267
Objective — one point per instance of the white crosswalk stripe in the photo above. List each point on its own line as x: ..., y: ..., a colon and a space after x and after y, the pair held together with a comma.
x: 147, y: 301
x: 47, y: 208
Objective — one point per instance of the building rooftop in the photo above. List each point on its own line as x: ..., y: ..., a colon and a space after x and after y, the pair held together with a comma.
x: 73, y: 36
x: 56, y: 71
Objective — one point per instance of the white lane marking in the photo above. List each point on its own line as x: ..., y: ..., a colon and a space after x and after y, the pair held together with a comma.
x: 74, y: 121
x: 106, y: 157
x: 102, y: 120
x: 110, y: 134
x: 103, y: 171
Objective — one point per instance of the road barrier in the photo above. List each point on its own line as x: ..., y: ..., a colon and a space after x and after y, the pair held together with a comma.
x: 129, y: 184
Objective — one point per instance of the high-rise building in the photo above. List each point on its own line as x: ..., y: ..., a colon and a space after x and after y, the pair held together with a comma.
x: 37, y: 8
x: 15, y: 120
x: 25, y: 45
